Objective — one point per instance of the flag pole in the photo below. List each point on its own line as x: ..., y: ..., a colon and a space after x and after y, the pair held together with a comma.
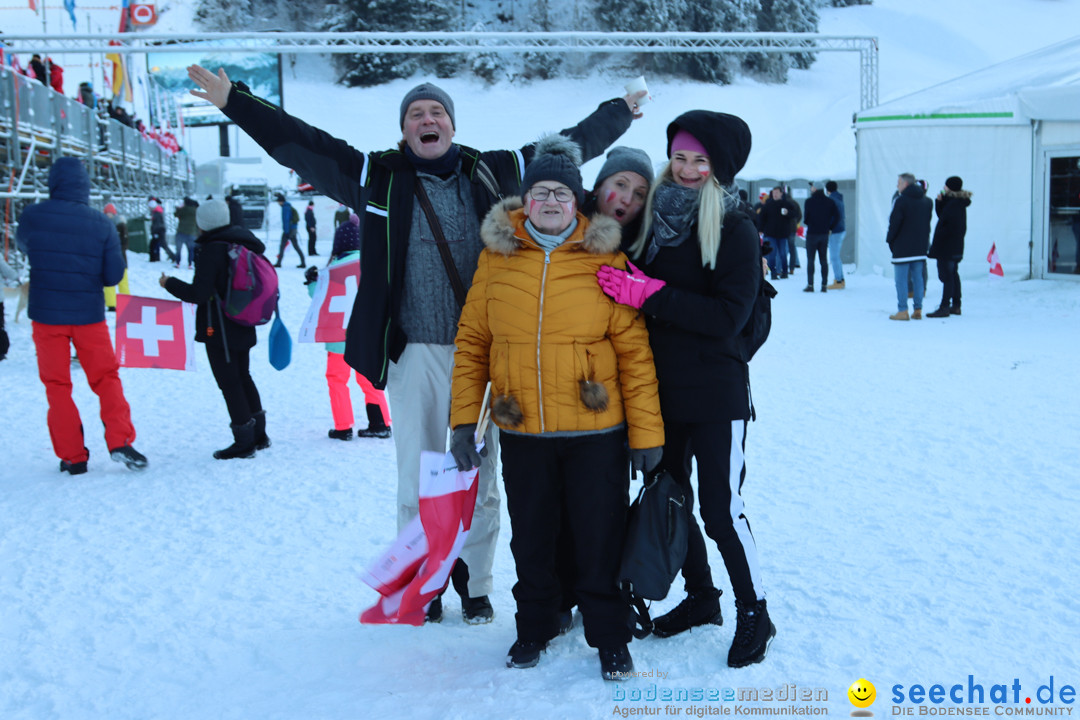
x: 485, y: 416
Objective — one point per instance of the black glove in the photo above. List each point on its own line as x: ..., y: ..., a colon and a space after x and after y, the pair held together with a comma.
x: 311, y: 275
x: 463, y: 447
x: 644, y: 460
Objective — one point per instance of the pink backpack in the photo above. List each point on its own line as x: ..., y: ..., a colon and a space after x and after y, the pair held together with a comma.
x: 252, y: 294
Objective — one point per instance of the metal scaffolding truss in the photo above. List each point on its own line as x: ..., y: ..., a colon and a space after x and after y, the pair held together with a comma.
x: 463, y: 42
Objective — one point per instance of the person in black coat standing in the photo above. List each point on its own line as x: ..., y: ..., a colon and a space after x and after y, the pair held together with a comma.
x: 820, y: 217
x: 777, y: 224
x: 228, y: 343
x: 909, y: 239
x: 948, y: 246
x: 309, y: 222
x: 700, y: 275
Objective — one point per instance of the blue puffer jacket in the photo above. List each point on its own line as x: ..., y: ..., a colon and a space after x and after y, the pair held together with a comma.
x: 74, y: 251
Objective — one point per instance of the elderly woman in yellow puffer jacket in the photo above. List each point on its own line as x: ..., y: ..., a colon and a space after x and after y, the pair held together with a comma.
x: 572, y: 380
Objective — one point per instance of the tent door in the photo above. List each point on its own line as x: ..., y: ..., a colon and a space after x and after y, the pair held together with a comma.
x: 1063, y: 207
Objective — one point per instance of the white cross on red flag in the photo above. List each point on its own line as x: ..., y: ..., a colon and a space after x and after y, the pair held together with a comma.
x: 331, y: 304
x: 152, y: 333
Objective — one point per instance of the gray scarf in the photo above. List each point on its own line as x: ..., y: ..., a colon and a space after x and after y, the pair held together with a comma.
x: 675, y: 209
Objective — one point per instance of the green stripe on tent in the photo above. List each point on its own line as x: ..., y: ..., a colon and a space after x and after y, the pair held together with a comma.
x: 937, y: 116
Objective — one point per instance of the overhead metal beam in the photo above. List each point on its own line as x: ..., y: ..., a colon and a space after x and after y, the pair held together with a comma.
x: 461, y: 42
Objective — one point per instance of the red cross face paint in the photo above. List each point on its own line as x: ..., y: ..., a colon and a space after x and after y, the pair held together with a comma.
x: 622, y: 196
x: 689, y: 168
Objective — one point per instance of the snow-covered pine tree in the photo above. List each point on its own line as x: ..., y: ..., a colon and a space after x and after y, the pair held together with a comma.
x: 718, y: 16
x: 366, y: 69
x: 647, y: 16
x: 782, y: 16
x: 847, y: 3
x: 224, y: 15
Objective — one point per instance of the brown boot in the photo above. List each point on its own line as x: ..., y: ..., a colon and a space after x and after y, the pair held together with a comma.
x: 917, y: 315
x: 838, y: 285
x: 902, y: 315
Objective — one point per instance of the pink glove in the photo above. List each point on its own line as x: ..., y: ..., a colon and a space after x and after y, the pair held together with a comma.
x: 627, y: 289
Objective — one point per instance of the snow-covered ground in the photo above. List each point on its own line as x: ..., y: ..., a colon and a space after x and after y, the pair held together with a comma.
x: 912, y: 486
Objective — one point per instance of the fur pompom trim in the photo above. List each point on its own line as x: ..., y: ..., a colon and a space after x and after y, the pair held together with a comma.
x: 506, y: 411
x: 594, y: 395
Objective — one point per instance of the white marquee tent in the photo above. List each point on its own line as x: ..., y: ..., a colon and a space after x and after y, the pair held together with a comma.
x: 997, y: 128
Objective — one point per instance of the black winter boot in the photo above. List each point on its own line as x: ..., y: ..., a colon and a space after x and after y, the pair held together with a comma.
x: 4, y: 342
x: 699, y: 608
x: 243, y: 442
x: 754, y: 632
x: 261, y: 440
x: 377, y: 427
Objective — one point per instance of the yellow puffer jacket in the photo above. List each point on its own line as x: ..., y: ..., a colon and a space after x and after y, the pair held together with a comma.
x: 560, y: 354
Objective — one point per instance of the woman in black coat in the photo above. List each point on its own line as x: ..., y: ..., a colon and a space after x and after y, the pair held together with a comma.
x: 700, y: 276
x: 228, y: 343
x: 948, y: 245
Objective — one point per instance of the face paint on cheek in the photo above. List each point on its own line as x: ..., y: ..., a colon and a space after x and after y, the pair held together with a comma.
x: 533, y: 205
x: 703, y: 170
x: 611, y: 196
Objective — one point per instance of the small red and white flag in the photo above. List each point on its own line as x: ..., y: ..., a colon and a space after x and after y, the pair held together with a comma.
x: 331, y: 304
x: 152, y: 333
x: 417, y: 566
x: 995, y: 261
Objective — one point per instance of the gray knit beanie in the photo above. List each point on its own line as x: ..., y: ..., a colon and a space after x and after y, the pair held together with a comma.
x: 427, y: 91
x: 557, y: 158
x: 212, y: 215
x: 621, y: 159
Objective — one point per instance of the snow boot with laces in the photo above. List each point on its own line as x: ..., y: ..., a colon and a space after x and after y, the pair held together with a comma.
x: 754, y: 633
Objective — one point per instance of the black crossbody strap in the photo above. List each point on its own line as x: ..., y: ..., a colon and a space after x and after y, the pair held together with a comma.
x: 440, y: 240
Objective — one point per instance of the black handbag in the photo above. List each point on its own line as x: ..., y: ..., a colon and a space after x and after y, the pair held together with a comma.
x: 654, y: 550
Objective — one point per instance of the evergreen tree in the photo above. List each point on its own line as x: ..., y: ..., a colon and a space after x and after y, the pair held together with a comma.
x: 783, y: 16
x: 224, y: 15
x: 368, y: 69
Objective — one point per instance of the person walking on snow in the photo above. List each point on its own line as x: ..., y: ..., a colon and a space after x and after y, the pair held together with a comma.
x: 290, y: 221
x: 74, y: 254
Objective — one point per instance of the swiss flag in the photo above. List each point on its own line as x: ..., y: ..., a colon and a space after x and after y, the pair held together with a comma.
x: 331, y: 304
x: 152, y: 333
x: 995, y: 261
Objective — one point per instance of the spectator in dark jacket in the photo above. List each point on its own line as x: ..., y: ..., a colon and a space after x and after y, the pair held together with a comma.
x: 309, y: 223
x: 820, y: 217
x: 836, y: 237
x: 74, y: 254
x: 290, y: 221
x: 236, y: 211
x: 186, y: 230
x: 157, y: 231
x: 228, y: 343
x: 948, y: 246
x: 909, y: 239
x: 777, y: 225
x: 37, y: 69
x: 121, y: 229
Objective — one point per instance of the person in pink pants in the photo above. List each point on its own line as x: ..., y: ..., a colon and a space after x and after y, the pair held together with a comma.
x: 347, y: 249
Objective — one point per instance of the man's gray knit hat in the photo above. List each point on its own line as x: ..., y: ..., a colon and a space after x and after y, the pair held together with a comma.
x: 212, y: 215
x: 427, y: 91
x: 621, y: 159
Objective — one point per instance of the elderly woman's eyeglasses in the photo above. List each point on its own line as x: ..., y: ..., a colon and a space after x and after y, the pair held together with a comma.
x: 540, y: 193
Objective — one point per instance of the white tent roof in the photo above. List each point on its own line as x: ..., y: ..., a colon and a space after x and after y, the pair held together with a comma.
x: 1042, y: 85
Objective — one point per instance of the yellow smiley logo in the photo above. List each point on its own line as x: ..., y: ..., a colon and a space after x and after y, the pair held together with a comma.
x: 862, y: 693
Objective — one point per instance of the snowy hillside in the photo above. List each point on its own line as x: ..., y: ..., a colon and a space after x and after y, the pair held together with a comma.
x: 911, y: 486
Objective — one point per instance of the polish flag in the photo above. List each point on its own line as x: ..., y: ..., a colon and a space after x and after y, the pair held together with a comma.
x: 417, y: 566
x: 152, y: 333
x: 331, y: 304
x: 995, y: 261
